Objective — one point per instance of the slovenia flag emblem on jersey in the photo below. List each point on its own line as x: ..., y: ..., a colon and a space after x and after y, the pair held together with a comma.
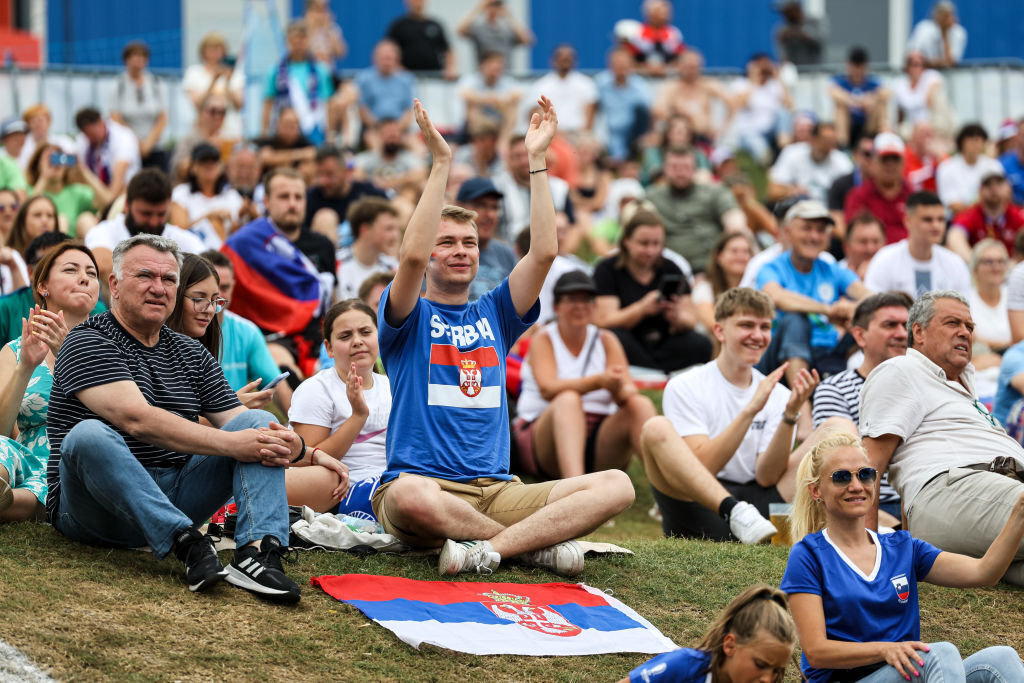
x: 499, y: 618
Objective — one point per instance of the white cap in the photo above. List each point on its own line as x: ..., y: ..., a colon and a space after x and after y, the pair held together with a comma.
x: 889, y: 144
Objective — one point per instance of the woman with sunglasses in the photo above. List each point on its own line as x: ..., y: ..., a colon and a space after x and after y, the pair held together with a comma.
x: 853, y: 592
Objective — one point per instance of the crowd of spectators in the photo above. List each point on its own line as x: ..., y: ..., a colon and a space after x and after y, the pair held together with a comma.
x: 697, y: 225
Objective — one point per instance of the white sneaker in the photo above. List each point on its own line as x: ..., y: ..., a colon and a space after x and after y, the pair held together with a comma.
x: 467, y: 556
x: 565, y: 559
x: 747, y: 524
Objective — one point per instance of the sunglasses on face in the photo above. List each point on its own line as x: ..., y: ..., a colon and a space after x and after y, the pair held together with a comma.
x: 865, y: 475
x: 9, y: 207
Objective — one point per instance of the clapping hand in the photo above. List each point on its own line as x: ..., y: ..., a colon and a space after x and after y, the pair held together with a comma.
x: 354, y: 392
x: 48, y: 326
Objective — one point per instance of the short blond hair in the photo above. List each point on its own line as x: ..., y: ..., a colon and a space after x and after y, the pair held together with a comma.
x: 213, y: 39
x: 34, y: 111
x: 743, y: 300
x: 458, y: 214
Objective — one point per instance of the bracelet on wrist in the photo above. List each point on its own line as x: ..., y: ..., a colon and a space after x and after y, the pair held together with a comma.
x: 791, y: 420
x: 539, y: 170
x: 302, y: 451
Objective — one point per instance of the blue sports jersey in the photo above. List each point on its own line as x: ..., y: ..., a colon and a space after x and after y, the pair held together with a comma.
x: 858, y: 608
x: 870, y: 84
x: 446, y: 363
x: 826, y: 282
x: 685, y: 665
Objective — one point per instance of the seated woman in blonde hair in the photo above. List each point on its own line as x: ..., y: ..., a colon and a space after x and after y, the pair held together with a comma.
x: 853, y: 592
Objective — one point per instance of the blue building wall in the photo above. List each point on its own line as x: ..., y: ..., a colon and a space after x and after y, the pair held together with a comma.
x: 94, y: 33
x: 994, y: 27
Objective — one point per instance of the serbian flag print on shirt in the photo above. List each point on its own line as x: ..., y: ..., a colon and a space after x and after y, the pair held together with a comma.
x: 464, y: 379
x: 498, y: 618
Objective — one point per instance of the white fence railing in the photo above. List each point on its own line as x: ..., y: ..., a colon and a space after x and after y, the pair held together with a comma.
x: 988, y: 94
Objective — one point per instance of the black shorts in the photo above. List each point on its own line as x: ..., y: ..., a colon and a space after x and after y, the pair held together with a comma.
x: 692, y: 520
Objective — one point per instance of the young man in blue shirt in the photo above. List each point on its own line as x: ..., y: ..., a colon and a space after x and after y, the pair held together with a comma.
x: 447, y: 482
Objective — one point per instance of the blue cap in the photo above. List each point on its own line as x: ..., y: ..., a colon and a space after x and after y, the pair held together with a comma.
x: 477, y: 187
x: 12, y: 125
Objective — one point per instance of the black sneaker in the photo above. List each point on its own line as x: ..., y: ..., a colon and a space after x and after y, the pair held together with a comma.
x: 260, y: 571
x: 197, y: 552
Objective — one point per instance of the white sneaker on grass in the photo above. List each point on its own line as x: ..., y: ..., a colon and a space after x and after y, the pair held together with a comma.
x: 467, y: 556
x: 565, y: 559
x: 747, y: 524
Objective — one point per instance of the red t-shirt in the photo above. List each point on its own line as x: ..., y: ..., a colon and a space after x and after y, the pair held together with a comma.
x: 866, y: 197
x: 657, y: 45
x: 979, y: 226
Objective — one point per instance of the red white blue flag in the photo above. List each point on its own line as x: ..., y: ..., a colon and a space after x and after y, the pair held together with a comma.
x: 499, y: 618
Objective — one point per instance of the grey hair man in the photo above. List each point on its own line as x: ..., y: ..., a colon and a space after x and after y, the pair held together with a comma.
x: 133, y: 466
x: 921, y: 419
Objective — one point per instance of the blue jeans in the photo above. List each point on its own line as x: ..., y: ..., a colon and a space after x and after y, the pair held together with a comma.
x: 942, y: 664
x: 791, y: 338
x: 108, y: 498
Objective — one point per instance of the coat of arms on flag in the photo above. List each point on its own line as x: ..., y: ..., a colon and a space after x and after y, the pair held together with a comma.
x: 499, y: 618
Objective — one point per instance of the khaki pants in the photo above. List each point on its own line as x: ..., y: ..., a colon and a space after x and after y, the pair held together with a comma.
x: 506, y: 502
x: 963, y: 510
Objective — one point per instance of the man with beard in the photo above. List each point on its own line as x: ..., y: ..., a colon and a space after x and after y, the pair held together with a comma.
x: 146, y: 208
x: 277, y: 285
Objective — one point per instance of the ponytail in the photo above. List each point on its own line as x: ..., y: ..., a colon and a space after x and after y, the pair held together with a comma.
x: 809, y: 514
x: 758, y: 608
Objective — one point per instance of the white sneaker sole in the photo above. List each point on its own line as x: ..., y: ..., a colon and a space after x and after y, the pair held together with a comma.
x: 208, y: 581
x: 447, y: 565
x: 243, y: 580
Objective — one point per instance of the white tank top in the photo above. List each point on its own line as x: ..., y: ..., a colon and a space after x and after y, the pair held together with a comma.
x: 591, y: 361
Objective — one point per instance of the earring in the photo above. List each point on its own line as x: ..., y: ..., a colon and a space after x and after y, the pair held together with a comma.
x: 46, y: 294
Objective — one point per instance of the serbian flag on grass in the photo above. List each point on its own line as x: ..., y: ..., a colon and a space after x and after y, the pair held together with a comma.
x: 499, y: 618
x: 276, y: 286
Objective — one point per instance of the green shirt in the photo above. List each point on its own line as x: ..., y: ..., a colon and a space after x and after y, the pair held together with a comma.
x: 693, y: 218
x: 72, y: 201
x: 15, y: 306
x: 11, y: 177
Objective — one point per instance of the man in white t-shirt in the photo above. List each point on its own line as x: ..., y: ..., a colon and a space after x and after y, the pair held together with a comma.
x: 147, y: 206
x: 809, y: 167
x: 958, y: 178
x: 573, y: 94
x: 918, y: 264
x: 921, y: 419
x: 375, y: 226
x: 723, y: 452
x: 940, y: 39
x: 108, y: 149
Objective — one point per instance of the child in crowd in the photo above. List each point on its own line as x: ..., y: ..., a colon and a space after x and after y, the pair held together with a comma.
x: 752, y: 637
x: 343, y: 412
x: 854, y: 592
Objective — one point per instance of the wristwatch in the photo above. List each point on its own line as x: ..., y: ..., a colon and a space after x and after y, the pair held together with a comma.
x: 791, y: 420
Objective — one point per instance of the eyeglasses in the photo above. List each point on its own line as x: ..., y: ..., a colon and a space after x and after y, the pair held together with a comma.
x: 9, y: 207
x: 216, y: 111
x: 992, y: 262
x: 201, y: 305
x: 984, y: 412
x: 865, y: 475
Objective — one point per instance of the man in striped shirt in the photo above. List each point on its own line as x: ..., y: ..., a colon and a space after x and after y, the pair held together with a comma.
x: 880, y: 329
x: 131, y: 464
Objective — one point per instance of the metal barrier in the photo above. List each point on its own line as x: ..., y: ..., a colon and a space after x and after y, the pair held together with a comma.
x: 985, y: 93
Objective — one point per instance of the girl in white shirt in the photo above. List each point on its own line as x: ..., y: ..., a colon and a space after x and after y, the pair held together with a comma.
x: 343, y: 412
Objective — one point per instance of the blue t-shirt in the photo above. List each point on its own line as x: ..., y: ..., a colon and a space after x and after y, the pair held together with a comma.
x: 870, y: 84
x: 244, y: 355
x: 685, y: 665
x: 299, y: 75
x: 1006, y: 395
x: 858, y: 608
x: 446, y: 363
x: 1014, y: 174
x: 826, y: 282
x: 496, y: 263
x: 387, y: 97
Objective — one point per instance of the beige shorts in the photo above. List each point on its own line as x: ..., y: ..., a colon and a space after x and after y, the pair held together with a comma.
x: 506, y: 502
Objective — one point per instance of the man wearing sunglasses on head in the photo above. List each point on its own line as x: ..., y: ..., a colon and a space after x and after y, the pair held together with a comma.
x: 945, y: 453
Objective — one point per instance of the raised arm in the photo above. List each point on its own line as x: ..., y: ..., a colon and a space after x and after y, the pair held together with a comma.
x: 422, y: 229
x: 527, y: 277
